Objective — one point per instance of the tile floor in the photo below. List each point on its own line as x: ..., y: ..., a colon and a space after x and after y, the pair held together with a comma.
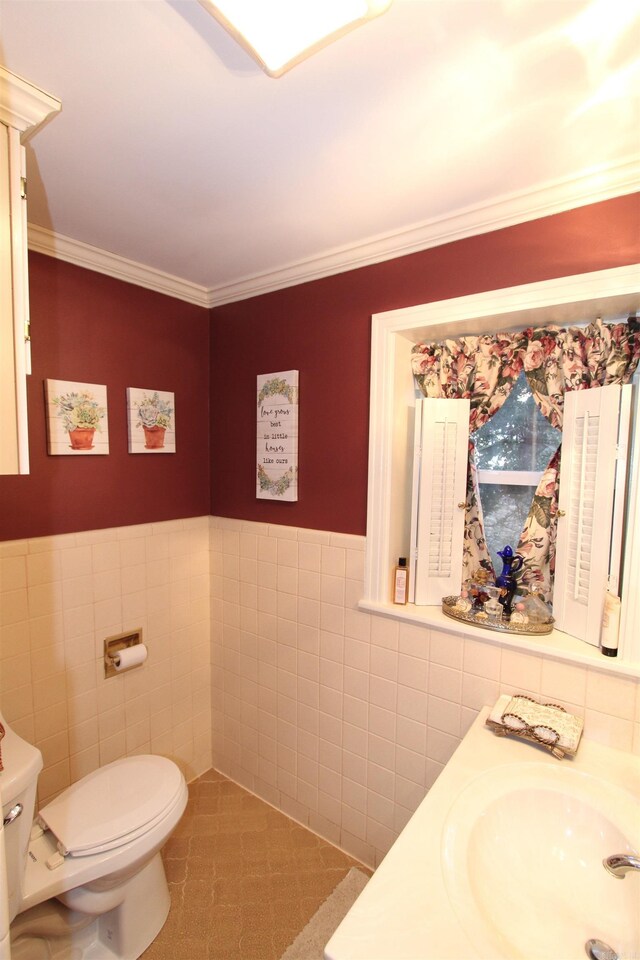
x: 244, y: 878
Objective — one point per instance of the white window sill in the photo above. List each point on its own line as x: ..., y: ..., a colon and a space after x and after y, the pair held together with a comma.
x: 556, y: 644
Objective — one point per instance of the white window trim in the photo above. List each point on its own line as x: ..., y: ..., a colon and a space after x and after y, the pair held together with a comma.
x: 610, y: 293
x: 511, y: 478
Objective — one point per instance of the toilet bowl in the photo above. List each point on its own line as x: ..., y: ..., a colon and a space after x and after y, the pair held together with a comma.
x: 85, y: 880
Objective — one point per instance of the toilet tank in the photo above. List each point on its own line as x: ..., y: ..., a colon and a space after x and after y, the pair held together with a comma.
x: 22, y: 763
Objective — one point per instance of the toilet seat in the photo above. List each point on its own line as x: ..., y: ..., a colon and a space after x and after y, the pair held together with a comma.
x: 113, y: 805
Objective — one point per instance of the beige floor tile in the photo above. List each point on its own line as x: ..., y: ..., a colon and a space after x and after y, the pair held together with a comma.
x: 244, y: 879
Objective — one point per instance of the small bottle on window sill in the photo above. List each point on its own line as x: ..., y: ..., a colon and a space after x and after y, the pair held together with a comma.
x: 401, y: 581
x: 610, y: 625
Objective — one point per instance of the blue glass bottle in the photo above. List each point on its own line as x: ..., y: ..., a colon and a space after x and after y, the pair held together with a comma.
x: 511, y: 564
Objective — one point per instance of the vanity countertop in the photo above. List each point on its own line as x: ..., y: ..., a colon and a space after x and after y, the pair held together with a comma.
x: 413, y: 908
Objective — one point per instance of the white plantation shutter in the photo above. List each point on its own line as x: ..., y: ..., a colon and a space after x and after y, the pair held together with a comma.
x: 585, y: 509
x: 439, y: 491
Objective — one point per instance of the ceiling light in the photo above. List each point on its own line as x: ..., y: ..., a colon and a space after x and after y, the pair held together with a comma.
x: 281, y: 33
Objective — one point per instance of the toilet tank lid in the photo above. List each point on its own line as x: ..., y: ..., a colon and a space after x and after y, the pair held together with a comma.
x: 113, y: 802
x: 22, y: 763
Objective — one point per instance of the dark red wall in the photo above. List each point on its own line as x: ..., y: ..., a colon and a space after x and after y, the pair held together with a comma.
x: 322, y: 329
x: 90, y: 328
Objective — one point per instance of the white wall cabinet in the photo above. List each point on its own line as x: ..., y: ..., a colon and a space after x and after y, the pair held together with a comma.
x: 23, y: 107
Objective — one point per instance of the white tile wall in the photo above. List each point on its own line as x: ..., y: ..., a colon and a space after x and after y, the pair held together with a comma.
x: 59, y: 598
x: 343, y: 719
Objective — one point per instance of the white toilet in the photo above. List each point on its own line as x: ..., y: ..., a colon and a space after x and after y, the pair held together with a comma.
x: 86, y: 880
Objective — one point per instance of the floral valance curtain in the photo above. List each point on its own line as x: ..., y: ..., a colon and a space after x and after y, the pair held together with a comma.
x: 484, y: 370
x: 557, y: 360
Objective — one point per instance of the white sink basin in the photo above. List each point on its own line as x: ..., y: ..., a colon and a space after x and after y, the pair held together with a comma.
x: 522, y: 849
x: 503, y: 860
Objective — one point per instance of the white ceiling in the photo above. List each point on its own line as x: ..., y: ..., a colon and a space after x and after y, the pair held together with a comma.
x: 175, y: 151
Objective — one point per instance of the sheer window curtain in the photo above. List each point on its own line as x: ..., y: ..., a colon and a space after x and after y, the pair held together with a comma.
x: 484, y: 370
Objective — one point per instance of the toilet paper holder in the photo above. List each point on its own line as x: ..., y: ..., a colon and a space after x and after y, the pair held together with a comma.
x: 112, y: 647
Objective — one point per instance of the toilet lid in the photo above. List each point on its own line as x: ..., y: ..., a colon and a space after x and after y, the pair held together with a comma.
x: 113, y: 805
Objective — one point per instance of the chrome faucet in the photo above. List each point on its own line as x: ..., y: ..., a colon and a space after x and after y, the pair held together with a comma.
x: 620, y: 863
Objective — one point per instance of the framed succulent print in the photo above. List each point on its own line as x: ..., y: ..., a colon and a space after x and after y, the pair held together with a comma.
x: 152, y: 421
x: 77, y: 420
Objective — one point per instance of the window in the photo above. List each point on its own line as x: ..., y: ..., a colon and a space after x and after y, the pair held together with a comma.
x: 595, y: 436
x: 611, y: 293
x: 512, y: 451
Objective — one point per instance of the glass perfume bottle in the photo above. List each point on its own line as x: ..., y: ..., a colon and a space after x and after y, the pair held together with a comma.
x: 492, y: 606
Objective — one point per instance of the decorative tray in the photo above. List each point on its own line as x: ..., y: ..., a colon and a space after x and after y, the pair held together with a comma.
x: 480, y: 619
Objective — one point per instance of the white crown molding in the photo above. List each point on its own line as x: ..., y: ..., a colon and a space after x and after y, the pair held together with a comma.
x: 23, y: 105
x: 602, y: 183
x: 92, y: 258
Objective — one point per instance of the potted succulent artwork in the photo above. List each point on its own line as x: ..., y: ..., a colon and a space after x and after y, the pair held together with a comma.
x: 81, y: 414
x: 154, y: 416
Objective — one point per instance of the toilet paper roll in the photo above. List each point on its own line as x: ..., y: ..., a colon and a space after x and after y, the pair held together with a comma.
x: 130, y: 657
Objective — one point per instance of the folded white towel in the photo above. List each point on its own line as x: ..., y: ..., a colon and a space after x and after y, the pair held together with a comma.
x: 545, y: 723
